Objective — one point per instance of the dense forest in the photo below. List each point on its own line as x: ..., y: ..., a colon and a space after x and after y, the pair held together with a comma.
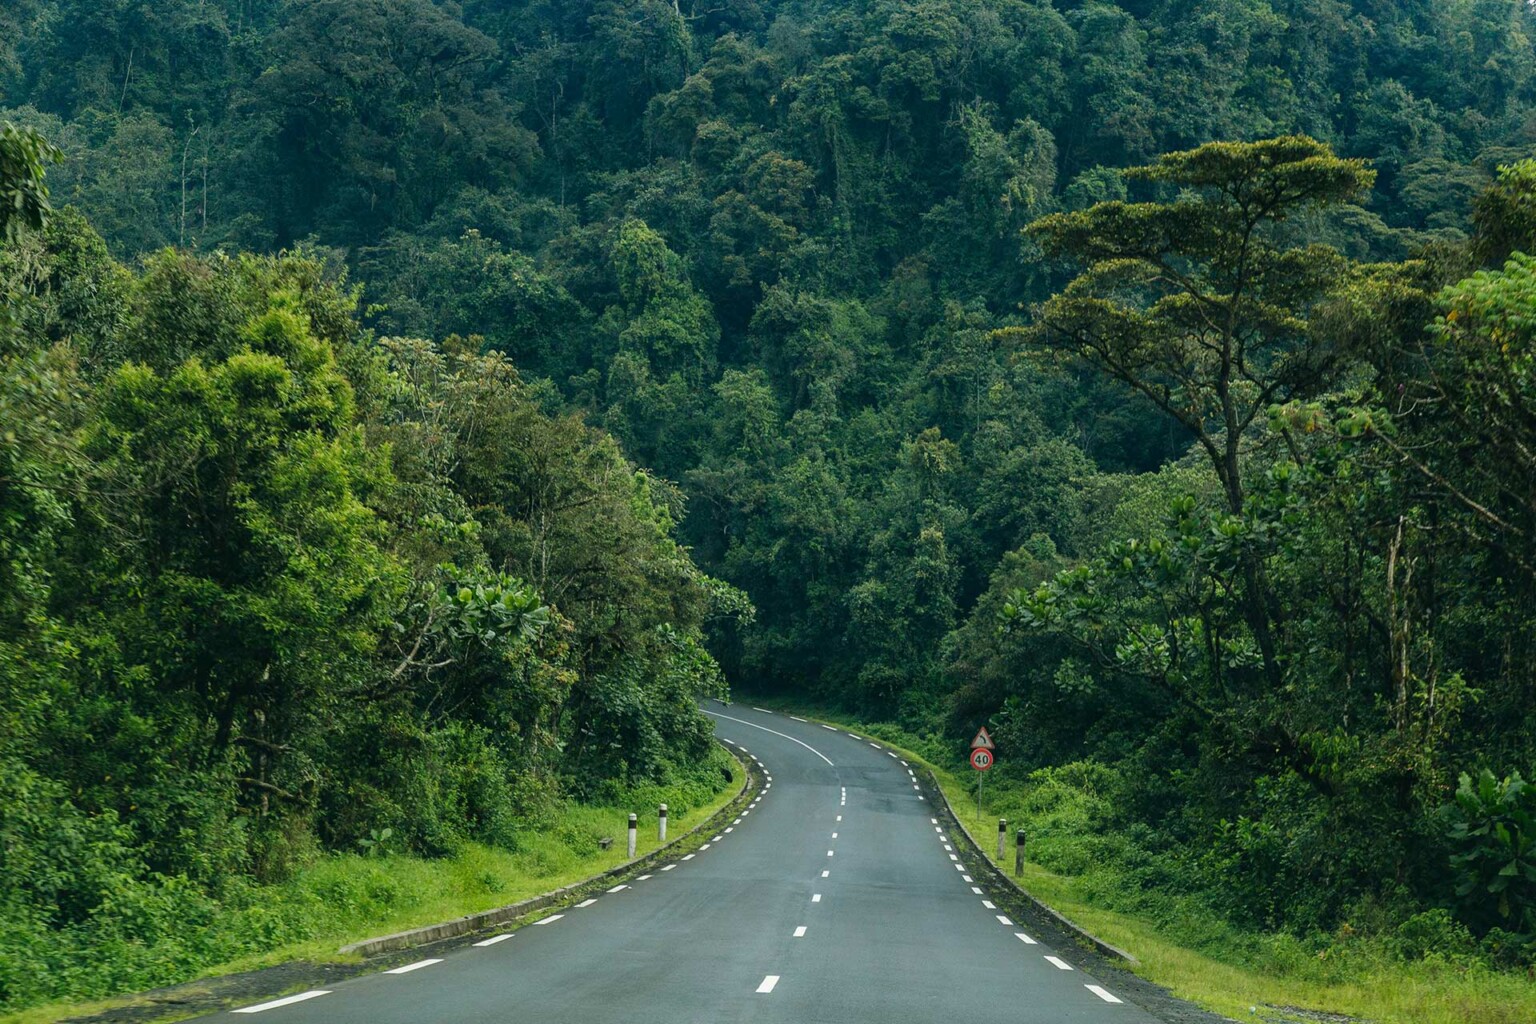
x: 1150, y: 379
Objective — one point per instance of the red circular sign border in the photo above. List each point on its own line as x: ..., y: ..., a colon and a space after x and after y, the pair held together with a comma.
x: 986, y: 754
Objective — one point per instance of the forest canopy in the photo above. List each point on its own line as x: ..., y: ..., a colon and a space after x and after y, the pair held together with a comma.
x: 1149, y: 379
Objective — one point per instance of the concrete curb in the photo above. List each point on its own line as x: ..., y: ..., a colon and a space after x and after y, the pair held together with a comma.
x: 471, y: 923
x: 1063, y: 921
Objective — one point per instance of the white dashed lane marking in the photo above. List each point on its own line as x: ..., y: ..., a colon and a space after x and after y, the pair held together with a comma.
x: 285, y: 1001
x: 1058, y: 962
x: 496, y: 938
x: 418, y: 965
x: 1102, y: 994
x: 800, y: 932
x: 585, y: 903
x: 1024, y: 938
x: 768, y: 983
x: 816, y: 897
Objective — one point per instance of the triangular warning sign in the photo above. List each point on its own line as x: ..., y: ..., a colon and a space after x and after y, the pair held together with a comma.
x: 983, y: 739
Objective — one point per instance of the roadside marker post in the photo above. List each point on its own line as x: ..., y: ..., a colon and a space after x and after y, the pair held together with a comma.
x: 661, y: 828
x: 1018, y: 855
x: 1002, y: 837
x: 634, y: 823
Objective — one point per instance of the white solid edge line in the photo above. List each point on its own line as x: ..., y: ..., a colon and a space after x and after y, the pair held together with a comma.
x: 1024, y: 938
x: 496, y: 938
x: 1102, y: 994
x: 1059, y: 962
x: 754, y: 725
x: 285, y: 1001
x: 800, y: 932
x: 551, y: 919
x: 418, y: 965
x: 768, y: 983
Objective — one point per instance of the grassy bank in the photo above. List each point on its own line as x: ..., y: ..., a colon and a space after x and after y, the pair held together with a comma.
x: 1182, y: 944
x: 343, y: 898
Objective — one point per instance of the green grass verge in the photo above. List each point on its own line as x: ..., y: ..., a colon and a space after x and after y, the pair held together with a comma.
x: 344, y: 898
x: 1197, y: 957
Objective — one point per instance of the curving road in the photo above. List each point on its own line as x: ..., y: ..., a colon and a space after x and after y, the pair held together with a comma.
x: 835, y: 898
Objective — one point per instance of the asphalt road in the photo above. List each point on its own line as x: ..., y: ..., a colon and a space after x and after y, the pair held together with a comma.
x: 835, y: 898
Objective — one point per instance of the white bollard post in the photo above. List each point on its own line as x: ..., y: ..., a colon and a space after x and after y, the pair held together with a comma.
x: 634, y: 823
x: 661, y: 828
x: 1018, y: 856
x: 1002, y: 835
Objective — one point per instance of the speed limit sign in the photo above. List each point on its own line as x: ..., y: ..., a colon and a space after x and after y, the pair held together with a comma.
x: 981, y: 759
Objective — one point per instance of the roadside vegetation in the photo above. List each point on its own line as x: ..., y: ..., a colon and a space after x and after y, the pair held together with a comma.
x: 340, y: 898
x: 413, y: 407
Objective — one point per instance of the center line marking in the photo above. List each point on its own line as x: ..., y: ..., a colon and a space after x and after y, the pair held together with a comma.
x: 414, y: 967
x: 768, y: 983
x: 1024, y: 938
x: 800, y: 932
x: 585, y: 903
x: 496, y: 938
x: 1059, y: 962
x: 1102, y: 994
x: 754, y: 725
x: 285, y: 1001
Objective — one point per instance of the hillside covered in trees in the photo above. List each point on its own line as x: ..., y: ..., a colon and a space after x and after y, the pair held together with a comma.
x: 1150, y: 379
